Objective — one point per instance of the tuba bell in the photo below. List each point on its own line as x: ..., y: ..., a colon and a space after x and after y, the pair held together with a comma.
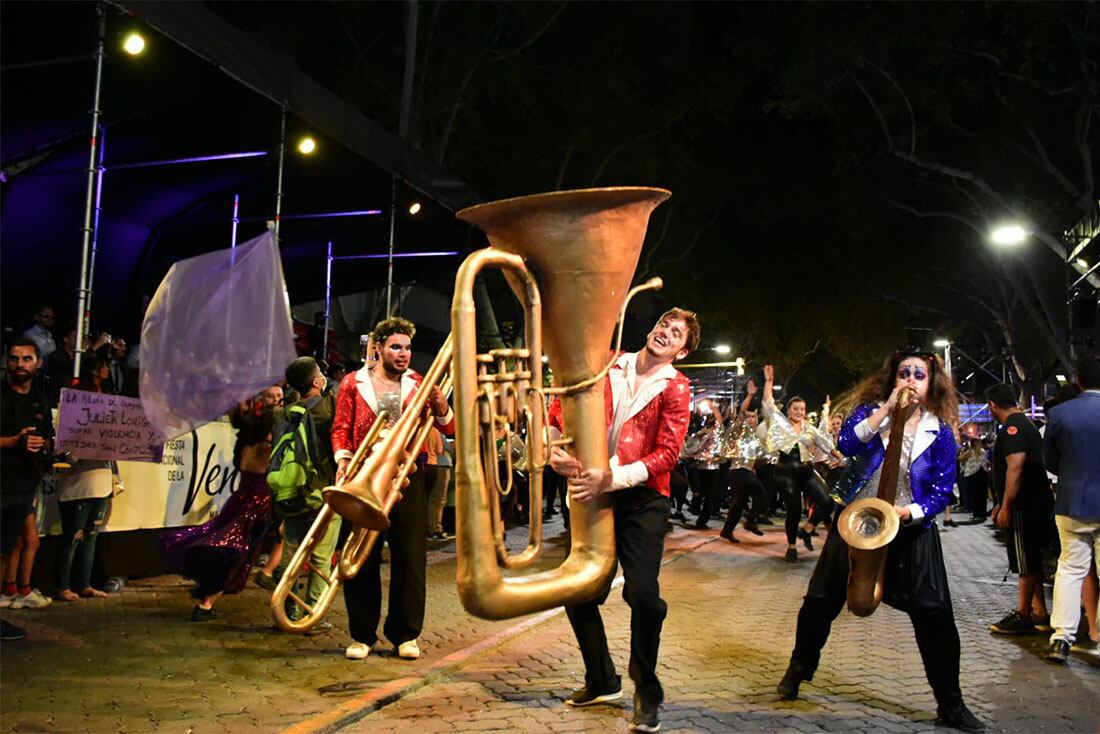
x: 579, y: 249
x: 870, y: 524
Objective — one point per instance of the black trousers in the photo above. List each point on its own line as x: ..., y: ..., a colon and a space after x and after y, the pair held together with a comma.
x: 793, y: 481
x: 929, y: 610
x: 679, y: 487
x: 407, y: 537
x: 711, y: 490
x: 765, y: 472
x: 745, y: 486
x: 640, y: 514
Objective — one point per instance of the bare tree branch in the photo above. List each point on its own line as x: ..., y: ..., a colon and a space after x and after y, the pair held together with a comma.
x: 905, y: 98
x: 874, y: 108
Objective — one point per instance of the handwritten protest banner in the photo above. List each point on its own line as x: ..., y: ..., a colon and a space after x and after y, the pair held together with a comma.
x: 95, y: 425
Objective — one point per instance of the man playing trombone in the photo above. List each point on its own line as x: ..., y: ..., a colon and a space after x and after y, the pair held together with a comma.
x: 648, y: 406
x: 387, y: 387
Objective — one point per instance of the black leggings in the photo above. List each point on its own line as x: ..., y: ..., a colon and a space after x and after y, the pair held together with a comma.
x: 794, y: 480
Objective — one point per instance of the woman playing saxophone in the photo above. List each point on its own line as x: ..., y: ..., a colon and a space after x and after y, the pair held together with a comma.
x: 915, y: 580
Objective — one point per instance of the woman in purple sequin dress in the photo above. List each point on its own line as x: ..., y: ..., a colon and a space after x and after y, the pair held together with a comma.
x: 218, y: 554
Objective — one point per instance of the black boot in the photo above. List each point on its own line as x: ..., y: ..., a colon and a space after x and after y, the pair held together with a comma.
x: 792, y: 679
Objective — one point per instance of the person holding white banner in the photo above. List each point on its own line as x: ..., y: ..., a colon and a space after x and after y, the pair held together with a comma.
x: 83, y: 499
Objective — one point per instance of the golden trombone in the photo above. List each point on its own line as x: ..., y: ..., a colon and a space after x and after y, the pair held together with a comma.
x: 376, y: 474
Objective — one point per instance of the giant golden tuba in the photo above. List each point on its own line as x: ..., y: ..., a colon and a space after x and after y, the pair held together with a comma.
x: 869, y: 525
x: 580, y: 249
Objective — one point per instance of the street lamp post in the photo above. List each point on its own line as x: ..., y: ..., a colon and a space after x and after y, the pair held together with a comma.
x: 1011, y: 234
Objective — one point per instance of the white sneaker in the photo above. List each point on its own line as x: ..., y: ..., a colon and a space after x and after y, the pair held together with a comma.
x: 408, y: 650
x: 357, y: 651
x: 5, y: 600
x: 34, y: 600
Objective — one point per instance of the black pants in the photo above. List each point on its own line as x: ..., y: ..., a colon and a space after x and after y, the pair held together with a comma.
x: 553, y: 485
x: 793, y: 481
x: 640, y: 518
x: 679, y: 487
x: 933, y: 618
x: 745, y: 486
x: 765, y: 472
x: 711, y: 493
x: 408, y: 569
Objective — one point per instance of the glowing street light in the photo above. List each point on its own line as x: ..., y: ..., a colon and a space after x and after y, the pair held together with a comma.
x: 134, y: 44
x: 722, y: 349
x: 1008, y: 234
x: 307, y: 145
x: 941, y: 343
x: 414, y: 208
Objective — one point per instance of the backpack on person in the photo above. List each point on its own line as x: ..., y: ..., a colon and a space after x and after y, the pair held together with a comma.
x: 292, y: 474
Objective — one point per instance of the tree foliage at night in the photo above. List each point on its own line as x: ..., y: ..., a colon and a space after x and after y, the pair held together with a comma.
x: 834, y: 166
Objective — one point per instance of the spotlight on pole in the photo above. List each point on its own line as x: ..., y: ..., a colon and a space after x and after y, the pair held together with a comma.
x: 941, y: 343
x: 134, y: 44
x: 307, y: 145
x: 1008, y: 234
x: 722, y: 349
x: 414, y: 208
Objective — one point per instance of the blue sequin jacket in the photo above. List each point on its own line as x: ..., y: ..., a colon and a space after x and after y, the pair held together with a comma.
x: 931, y: 471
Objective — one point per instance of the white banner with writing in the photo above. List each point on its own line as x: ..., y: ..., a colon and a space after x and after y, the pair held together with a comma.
x: 189, y: 485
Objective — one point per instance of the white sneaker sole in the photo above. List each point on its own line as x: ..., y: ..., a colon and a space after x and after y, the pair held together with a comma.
x: 598, y: 699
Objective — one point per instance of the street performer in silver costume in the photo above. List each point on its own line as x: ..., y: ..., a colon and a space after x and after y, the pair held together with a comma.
x: 795, y: 438
x: 742, y: 446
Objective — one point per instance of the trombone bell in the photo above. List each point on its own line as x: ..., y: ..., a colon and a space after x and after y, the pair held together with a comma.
x: 356, y: 503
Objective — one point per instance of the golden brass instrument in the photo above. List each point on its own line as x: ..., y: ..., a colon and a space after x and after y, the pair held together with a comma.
x: 582, y: 247
x: 870, y: 524
x: 375, y: 476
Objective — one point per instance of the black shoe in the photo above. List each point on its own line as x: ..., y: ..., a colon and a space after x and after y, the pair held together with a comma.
x: 645, y: 715
x: 1042, y: 623
x: 792, y: 679
x: 807, y: 539
x: 11, y: 632
x: 958, y: 716
x: 591, y: 696
x: 678, y: 515
x: 950, y: 523
x: 1057, y: 652
x: 751, y: 527
x: 728, y: 536
x: 198, y: 614
x: 792, y: 555
x: 1014, y: 623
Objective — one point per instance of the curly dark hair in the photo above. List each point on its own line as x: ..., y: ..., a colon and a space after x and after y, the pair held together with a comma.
x: 386, y: 328
x: 876, y: 387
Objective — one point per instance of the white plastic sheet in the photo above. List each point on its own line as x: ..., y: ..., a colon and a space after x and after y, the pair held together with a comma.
x: 214, y: 334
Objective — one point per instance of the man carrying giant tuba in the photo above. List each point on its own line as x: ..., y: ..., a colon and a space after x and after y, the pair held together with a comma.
x: 648, y: 405
x: 387, y: 386
x: 913, y: 579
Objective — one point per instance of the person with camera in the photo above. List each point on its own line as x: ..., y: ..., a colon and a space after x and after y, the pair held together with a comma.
x: 26, y: 443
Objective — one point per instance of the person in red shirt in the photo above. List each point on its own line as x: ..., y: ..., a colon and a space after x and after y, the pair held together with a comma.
x: 648, y: 407
x: 387, y: 386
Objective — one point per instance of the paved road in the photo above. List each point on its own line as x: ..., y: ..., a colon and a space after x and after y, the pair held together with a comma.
x: 132, y: 663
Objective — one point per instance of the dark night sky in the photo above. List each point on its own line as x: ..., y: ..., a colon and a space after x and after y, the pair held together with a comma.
x: 807, y: 218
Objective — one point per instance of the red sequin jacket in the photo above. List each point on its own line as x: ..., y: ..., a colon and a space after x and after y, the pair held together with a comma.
x: 653, y: 424
x: 357, y: 409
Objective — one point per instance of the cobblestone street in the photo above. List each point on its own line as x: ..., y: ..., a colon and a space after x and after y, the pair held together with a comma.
x: 133, y: 663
